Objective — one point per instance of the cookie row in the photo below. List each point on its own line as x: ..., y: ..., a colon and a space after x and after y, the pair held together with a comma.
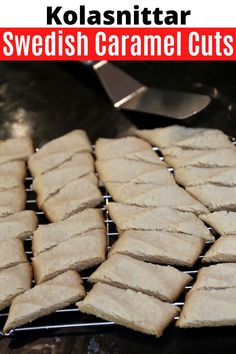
x: 15, y: 223
x: 204, y: 161
x: 66, y: 187
x: 13, y: 155
x: 151, y: 229
x: 60, y: 250
x: 64, y: 178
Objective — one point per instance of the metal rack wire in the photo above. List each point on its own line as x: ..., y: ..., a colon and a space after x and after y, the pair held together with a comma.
x: 70, y: 319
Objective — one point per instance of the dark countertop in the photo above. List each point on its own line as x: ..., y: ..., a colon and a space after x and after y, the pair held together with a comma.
x: 48, y: 99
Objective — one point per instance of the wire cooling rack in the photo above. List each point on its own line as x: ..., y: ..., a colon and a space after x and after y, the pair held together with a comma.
x: 71, y: 319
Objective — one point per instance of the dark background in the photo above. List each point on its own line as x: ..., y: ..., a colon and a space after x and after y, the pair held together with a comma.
x: 46, y: 100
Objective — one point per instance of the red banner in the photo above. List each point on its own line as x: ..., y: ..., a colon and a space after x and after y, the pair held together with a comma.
x: 117, y: 43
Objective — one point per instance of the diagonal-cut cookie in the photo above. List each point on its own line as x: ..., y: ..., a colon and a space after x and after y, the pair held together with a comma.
x: 60, y: 160
x: 50, y: 235
x: 194, y: 176
x: 129, y: 308
x: 19, y: 225
x: 177, y: 157
x: 51, y: 183
x: 78, y: 253
x: 76, y: 196
x: 225, y: 177
x: 128, y: 217
x: 109, y: 149
x: 164, y: 282
x: 209, y: 308
x: 12, y: 253
x: 215, y: 197
x: 224, y: 250
x: 158, y: 177
x: 14, y: 281
x: 74, y: 141
x: 148, y: 156
x: 124, y: 170
x: 168, y: 136
x: 159, y: 247
x: 15, y: 149
x: 10, y: 181
x: 12, y: 201
x: 146, y: 195
x: 219, y: 276
x: 12, y: 174
x: 44, y: 299
x: 224, y: 222
x: 207, y: 140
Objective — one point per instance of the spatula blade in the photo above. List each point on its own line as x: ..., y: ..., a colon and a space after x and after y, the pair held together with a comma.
x: 127, y: 93
x: 171, y: 104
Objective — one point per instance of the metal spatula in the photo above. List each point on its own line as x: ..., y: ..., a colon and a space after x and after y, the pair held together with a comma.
x: 127, y: 93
